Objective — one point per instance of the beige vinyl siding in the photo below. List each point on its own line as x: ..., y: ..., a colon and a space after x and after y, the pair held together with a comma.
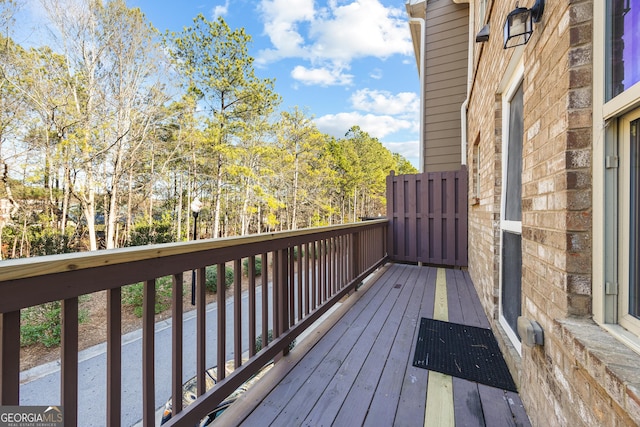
x: 445, y: 83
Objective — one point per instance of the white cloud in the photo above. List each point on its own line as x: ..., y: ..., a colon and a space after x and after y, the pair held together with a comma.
x: 221, y: 10
x: 383, y: 102
x: 358, y: 29
x: 334, y: 35
x: 281, y: 19
x: 376, y: 74
x: 378, y: 126
x: 321, y: 76
x: 287, y: 10
x: 408, y: 149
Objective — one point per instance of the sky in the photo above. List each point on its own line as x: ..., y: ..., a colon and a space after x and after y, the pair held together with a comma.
x: 343, y: 62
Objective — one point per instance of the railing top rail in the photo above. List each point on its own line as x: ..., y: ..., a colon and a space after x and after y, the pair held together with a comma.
x: 64, y: 263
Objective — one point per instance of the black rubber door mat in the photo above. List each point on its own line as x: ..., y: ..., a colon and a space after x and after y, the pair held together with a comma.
x: 462, y: 351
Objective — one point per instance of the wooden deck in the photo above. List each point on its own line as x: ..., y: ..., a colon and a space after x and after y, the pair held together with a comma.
x: 356, y: 368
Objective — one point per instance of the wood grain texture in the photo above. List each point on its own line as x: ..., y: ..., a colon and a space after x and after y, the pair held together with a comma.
x: 360, y: 371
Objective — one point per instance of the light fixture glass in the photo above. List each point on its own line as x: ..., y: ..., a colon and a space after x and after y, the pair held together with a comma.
x: 196, y: 206
x: 518, y: 27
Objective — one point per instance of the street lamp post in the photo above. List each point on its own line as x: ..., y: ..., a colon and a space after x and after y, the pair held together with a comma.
x: 196, y: 205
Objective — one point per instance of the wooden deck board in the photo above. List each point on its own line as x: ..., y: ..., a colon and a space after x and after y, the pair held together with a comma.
x: 496, y: 408
x: 520, y: 416
x: 355, y: 407
x: 311, y: 376
x: 467, y: 404
x: 464, y: 307
x: 384, y: 405
x: 361, y: 371
x: 415, y: 380
x: 327, y: 407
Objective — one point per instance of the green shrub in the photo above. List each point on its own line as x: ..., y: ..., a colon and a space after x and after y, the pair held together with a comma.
x: 160, y: 231
x: 43, y: 324
x: 133, y: 295
x: 211, y: 277
x: 49, y: 242
x: 257, y: 264
x: 269, y: 339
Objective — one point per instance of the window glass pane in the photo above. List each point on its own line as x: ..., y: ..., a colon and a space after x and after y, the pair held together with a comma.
x: 513, y: 194
x: 634, y: 220
x: 623, y: 46
x: 511, y: 278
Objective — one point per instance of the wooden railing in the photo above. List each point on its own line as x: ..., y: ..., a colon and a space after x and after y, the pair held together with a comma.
x: 310, y: 270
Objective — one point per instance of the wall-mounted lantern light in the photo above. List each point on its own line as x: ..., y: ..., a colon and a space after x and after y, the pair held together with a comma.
x: 518, y: 26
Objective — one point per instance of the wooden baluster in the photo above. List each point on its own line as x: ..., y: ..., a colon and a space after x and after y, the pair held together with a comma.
x: 237, y: 312
x: 114, y: 357
x: 69, y: 361
x: 307, y: 279
x: 265, y: 299
x: 148, y: 353
x: 251, y: 273
x: 301, y: 255
x: 222, y: 322
x: 176, y: 339
x: 201, y: 331
x: 10, y: 356
x: 290, y: 280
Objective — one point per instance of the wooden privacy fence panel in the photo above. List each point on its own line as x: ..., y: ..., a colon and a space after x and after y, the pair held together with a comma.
x: 428, y: 217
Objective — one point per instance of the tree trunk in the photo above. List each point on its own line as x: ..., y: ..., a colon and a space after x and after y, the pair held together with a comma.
x: 218, y: 200
x: 245, y: 215
x: 294, y: 213
x: 111, y: 221
x: 66, y: 197
x: 179, y: 210
x: 90, y: 214
x: 127, y: 233
x: 153, y: 162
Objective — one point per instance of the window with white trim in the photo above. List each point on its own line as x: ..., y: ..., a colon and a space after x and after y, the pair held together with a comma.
x: 628, y: 221
x: 616, y: 177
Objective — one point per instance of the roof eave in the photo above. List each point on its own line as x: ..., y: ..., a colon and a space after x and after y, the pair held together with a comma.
x: 416, y: 10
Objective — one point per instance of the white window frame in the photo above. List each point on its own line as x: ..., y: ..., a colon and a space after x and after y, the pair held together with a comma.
x: 627, y: 321
x: 510, y: 85
x: 608, y: 271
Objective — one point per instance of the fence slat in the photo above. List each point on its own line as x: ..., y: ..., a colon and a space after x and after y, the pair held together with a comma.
x: 300, y: 280
x: 291, y: 266
x: 201, y: 331
x: 237, y: 312
x: 10, y: 355
x: 315, y: 289
x: 148, y: 353
x: 69, y: 361
x: 176, y: 339
x: 222, y: 322
x: 264, y: 274
x: 307, y: 279
x: 251, y: 273
x: 114, y: 357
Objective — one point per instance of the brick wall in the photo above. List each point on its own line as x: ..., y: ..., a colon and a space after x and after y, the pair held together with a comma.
x: 568, y: 381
